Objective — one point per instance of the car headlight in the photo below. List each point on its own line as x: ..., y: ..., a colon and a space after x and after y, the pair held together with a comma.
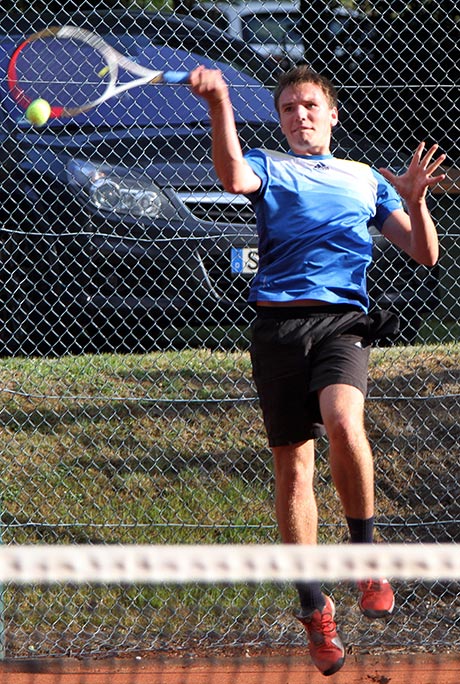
x: 112, y: 191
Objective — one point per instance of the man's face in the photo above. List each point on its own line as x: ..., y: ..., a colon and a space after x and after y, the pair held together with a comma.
x: 307, y: 118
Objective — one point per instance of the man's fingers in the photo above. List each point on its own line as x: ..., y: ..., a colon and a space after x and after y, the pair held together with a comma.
x: 417, y: 157
x: 432, y: 180
x: 386, y: 173
x: 437, y: 162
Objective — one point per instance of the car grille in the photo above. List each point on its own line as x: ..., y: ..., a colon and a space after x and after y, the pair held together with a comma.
x: 219, y: 207
x: 129, y: 274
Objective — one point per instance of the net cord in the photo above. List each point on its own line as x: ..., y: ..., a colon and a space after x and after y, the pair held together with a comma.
x: 153, y: 564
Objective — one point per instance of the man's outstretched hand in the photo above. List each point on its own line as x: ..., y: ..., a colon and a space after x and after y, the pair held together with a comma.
x: 412, y: 185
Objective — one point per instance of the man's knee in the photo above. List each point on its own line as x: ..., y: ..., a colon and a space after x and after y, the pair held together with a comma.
x: 294, y: 463
x: 342, y: 409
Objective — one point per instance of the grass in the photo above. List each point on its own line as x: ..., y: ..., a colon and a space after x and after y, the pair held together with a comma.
x: 434, y: 330
x: 169, y: 447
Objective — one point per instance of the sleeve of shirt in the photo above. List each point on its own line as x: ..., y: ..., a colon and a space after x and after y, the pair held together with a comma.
x: 388, y: 200
x: 257, y: 160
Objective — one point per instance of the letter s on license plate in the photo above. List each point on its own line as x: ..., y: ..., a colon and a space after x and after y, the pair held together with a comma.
x: 244, y: 260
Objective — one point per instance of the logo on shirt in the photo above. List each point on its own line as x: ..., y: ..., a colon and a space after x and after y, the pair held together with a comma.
x: 321, y: 166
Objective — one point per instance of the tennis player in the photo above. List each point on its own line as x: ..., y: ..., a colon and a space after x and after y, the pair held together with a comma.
x: 312, y: 334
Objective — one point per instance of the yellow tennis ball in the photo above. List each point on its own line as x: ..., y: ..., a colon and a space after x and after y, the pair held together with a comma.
x: 38, y: 112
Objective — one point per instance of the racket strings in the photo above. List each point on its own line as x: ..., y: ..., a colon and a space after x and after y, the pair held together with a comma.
x: 65, y: 72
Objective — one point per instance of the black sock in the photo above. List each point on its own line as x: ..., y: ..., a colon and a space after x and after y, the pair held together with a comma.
x: 311, y: 597
x: 361, y: 530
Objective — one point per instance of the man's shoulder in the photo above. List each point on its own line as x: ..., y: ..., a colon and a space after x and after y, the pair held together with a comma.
x: 352, y: 163
x: 272, y: 154
x: 326, y: 160
x: 354, y: 168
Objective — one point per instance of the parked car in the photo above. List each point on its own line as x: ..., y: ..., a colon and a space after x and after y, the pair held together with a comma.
x: 282, y: 36
x: 272, y: 29
x: 113, y: 226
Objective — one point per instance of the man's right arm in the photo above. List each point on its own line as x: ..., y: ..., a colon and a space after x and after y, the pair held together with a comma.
x: 232, y: 169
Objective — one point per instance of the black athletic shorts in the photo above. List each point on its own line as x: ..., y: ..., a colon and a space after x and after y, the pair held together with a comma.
x: 297, y: 351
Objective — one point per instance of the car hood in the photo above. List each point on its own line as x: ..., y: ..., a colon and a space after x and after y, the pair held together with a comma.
x: 159, y: 105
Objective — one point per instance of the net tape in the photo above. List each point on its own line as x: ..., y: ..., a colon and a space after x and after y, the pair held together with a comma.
x: 46, y: 564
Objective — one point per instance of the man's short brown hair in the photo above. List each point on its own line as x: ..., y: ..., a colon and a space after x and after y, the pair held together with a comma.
x: 304, y: 74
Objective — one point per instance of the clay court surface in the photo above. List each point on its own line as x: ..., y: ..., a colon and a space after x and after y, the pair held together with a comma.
x: 391, y: 669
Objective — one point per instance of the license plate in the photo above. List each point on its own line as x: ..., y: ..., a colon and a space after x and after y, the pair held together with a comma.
x: 244, y: 260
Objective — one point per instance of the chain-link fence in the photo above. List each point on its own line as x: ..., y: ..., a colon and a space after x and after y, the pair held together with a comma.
x: 128, y: 410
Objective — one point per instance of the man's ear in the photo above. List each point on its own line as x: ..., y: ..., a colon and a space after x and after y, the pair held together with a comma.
x: 334, y: 117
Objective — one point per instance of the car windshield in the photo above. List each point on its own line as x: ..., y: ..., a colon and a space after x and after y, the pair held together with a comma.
x: 272, y: 27
x: 212, y: 45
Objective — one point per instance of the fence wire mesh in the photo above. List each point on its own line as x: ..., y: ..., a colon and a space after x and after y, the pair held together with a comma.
x: 128, y: 410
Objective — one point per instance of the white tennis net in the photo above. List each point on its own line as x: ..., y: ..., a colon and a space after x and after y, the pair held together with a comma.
x: 226, y: 563
x: 159, y: 614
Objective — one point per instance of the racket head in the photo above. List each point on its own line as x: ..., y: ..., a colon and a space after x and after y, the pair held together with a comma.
x: 73, y: 69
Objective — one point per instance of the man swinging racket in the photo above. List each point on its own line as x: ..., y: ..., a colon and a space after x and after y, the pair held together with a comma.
x: 312, y: 334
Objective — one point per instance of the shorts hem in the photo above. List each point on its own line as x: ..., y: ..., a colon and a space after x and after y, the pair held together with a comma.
x: 314, y: 433
x: 352, y: 382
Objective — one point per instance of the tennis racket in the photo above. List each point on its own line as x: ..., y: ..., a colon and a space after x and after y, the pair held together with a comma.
x: 75, y: 70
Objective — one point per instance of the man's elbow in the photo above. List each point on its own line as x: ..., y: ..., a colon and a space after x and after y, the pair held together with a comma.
x: 432, y: 261
x: 233, y: 186
x: 239, y: 179
x: 428, y: 258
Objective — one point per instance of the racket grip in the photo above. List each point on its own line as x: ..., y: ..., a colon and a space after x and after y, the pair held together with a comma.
x: 175, y: 76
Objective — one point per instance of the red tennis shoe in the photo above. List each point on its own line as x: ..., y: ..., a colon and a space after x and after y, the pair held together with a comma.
x: 377, y: 599
x: 326, y: 648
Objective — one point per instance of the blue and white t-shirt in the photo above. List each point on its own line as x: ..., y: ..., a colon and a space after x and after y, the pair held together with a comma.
x: 312, y: 220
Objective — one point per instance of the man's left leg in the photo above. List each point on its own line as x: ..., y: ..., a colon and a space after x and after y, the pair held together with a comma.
x: 352, y: 469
